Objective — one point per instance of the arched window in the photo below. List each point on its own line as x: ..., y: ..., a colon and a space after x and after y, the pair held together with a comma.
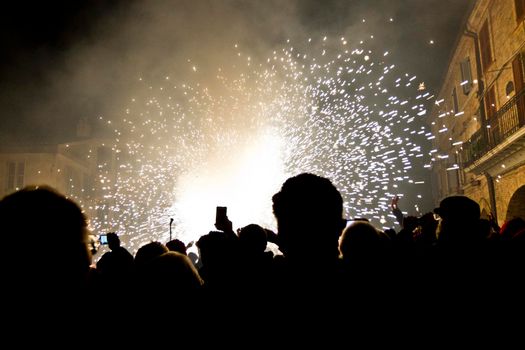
x: 516, y: 206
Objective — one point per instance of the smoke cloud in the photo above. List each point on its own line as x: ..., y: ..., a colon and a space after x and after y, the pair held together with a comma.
x: 80, y: 61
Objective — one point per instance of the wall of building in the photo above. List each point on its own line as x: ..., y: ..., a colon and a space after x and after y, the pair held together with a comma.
x: 478, y: 190
x: 73, y: 169
x: 507, y: 37
x: 505, y: 187
x: 39, y: 169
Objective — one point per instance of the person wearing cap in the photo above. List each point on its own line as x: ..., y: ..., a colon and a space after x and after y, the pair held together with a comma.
x: 459, y: 220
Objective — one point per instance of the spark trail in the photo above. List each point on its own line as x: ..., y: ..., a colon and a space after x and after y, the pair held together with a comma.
x: 320, y: 106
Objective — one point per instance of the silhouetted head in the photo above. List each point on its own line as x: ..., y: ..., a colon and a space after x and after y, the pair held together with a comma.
x: 309, y: 211
x: 113, y: 240
x: 428, y: 225
x: 172, y: 273
x: 458, y: 208
x: 459, y: 219
x: 44, y: 237
x: 215, y: 248
x: 176, y: 245
x: 252, y: 239
x: 360, y: 239
x: 148, y: 252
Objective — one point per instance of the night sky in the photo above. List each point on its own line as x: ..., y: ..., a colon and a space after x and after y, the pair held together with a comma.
x: 68, y: 59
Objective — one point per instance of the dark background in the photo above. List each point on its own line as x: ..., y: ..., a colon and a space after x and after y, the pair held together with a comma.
x: 63, y: 60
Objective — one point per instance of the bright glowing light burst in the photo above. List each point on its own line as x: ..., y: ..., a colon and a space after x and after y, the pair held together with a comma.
x: 187, y: 146
x: 243, y: 180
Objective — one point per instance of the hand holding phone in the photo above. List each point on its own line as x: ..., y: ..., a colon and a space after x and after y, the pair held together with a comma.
x: 221, y: 219
x: 103, y: 239
x: 393, y: 204
x: 220, y: 214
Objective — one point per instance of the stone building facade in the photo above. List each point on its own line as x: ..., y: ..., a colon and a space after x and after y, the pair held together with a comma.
x: 83, y: 170
x: 479, y: 116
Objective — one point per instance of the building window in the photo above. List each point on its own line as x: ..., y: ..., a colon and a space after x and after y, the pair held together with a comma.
x: 486, y: 49
x: 517, y: 70
x: 519, y: 85
x: 455, y: 100
x: 20, y: 175
x: 520, y: 10
x: 466, y: 75
x: 15, y: 175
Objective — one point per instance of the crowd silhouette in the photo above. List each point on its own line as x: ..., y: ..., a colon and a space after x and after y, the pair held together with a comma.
x: 446, y: 261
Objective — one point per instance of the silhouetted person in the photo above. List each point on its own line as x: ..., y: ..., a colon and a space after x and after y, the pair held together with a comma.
x: 172, y: 273
x: 408, y: 223
x: 459, y: 221
x: 176, y: 245
x: 148, y: 252
x: 367, y: 262
x: 144, y: 256
x: 512, y: 228
x: 464, y: 265
x: 252, y: 239
x: 396, y: 211
x: 115, y: 267
x: 218, y: 252
x: 362, y: 246
x: 45, y: 258
x: 172, y: 277
x: 309, y: 213
x: 425, y: 235
x: 254, y: 261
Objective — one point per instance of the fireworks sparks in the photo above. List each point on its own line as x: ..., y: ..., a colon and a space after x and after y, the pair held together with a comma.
x: 185, y: 147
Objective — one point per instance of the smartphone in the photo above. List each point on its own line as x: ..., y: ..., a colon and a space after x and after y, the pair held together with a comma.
x: 220, y: 214
x: 103, y: 239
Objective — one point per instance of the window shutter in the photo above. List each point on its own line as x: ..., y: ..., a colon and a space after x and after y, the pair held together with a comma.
x: 466, y: 75
x: 517, y: 69
x: 484, y: 42
x: 520, y: 10
x: 20, y: 175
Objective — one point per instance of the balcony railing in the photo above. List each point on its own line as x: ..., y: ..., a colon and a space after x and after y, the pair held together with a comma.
x: 507, y: 120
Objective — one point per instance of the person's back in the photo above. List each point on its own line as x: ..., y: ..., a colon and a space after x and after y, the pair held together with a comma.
x: 459, y: 222
x: 309, y: 213
x: 45, y: 259
x: 171, y: 275
x: 363, y: 248
x: 464, y: 259
x: 115, y: 268
x: 255, y: 263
